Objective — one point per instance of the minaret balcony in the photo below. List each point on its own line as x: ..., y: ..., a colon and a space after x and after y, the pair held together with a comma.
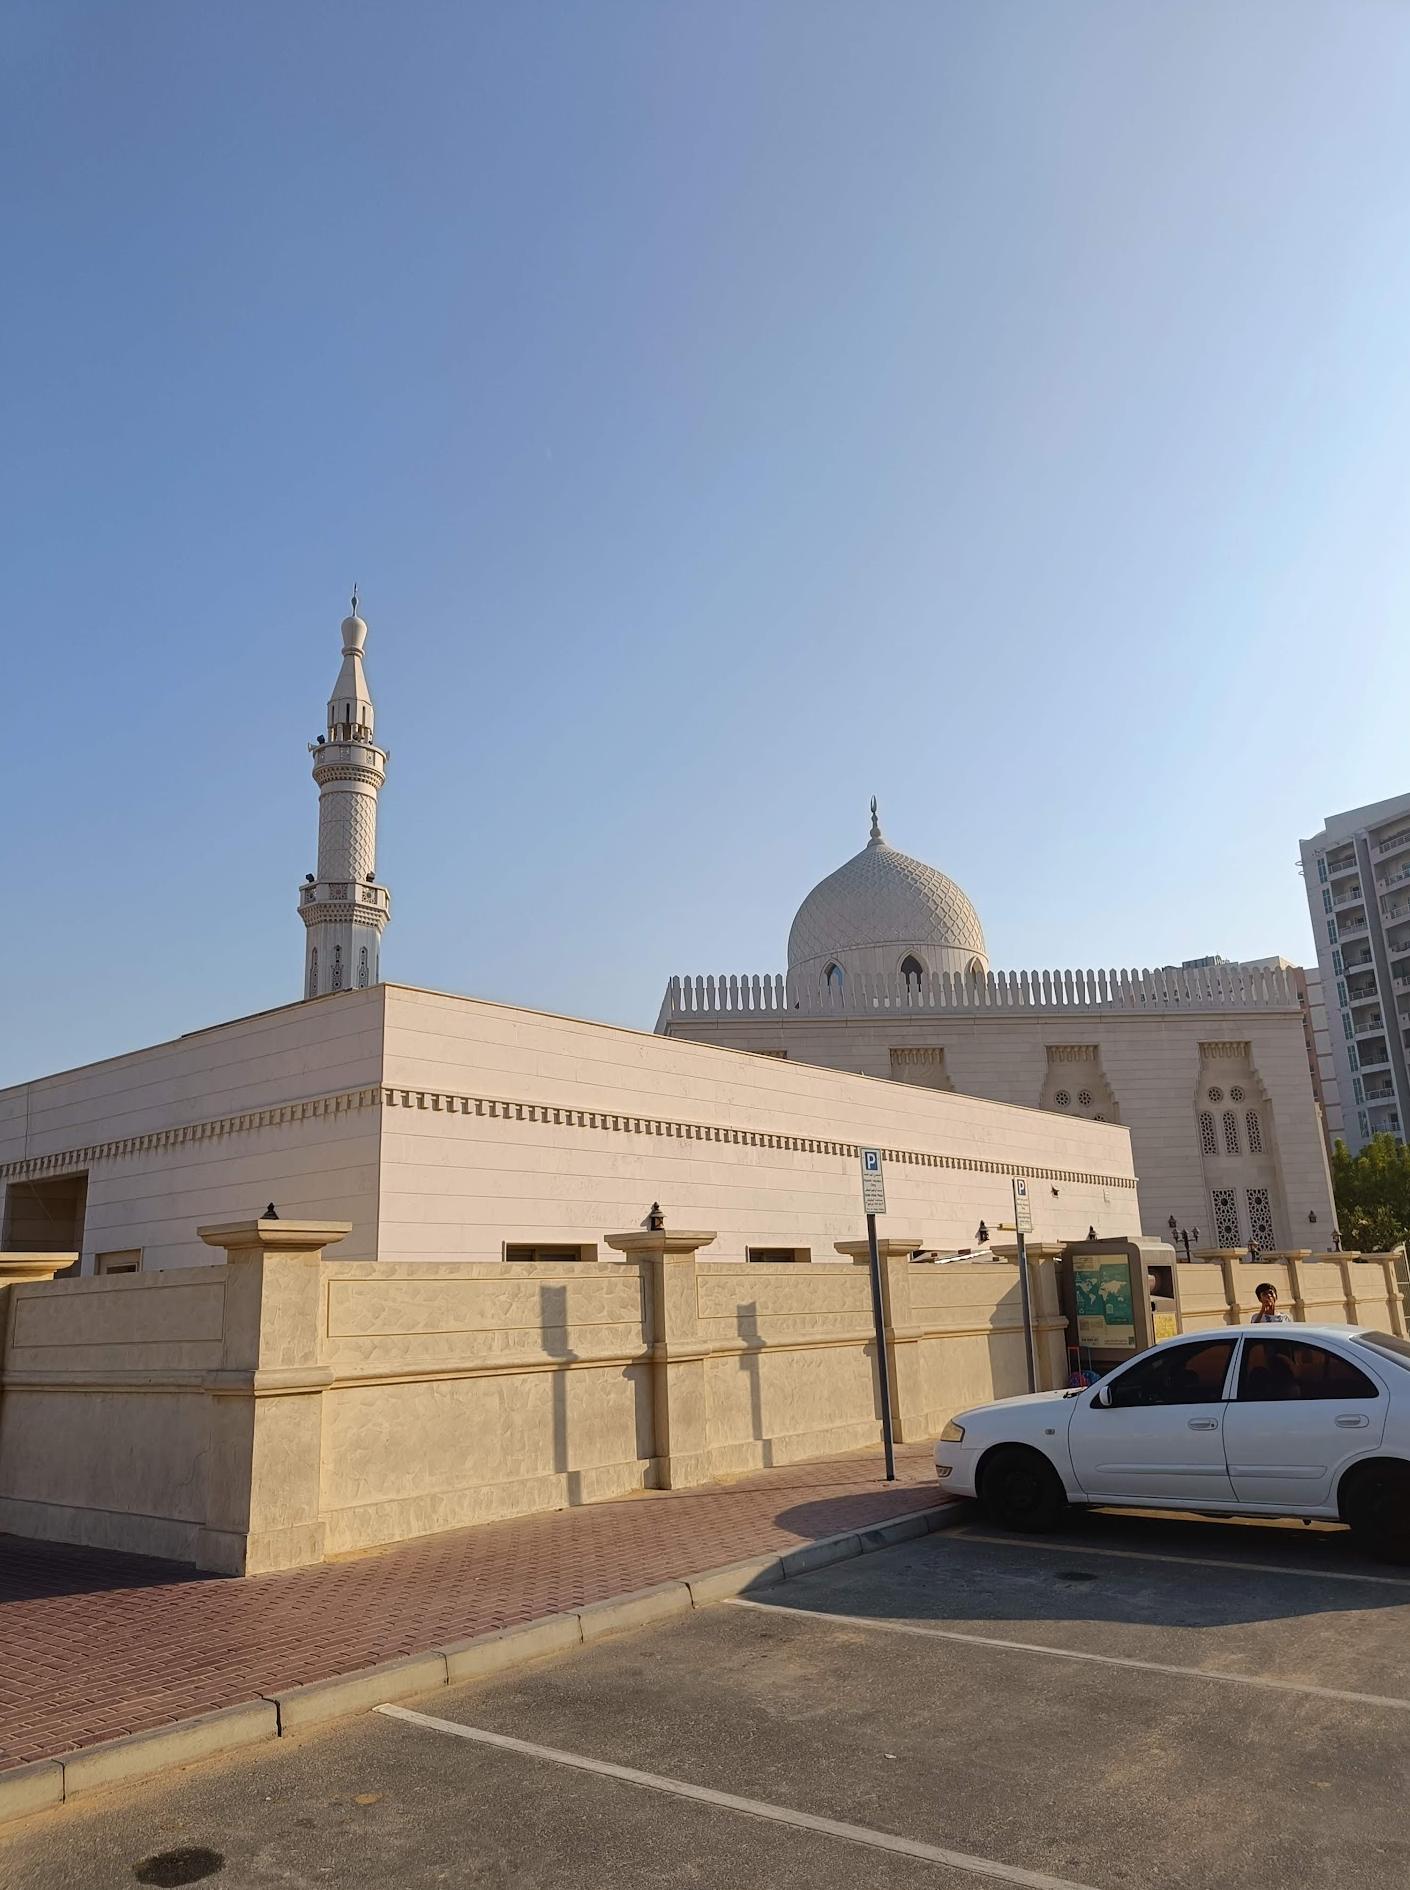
x: 344, y: 899
x: 361, y: 761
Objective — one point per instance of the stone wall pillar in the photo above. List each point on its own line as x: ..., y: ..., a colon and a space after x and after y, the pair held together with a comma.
x: 680, y: 1415
x: 1229, y: 1264
x: 266, y: 1399
x: 1387, y: 1265
x: 1049, y: 1320
x: 15, y: 1270
x: 902, y: 1335
x: 1293, y: 1260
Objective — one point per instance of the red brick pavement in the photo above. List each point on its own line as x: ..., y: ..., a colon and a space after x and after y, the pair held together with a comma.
x: 94, y: 1644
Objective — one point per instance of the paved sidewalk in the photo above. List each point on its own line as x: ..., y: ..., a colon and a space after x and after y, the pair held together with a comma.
x: 93, y: 1645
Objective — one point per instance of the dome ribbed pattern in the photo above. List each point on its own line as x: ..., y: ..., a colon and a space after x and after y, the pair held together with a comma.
x: 882, y: 897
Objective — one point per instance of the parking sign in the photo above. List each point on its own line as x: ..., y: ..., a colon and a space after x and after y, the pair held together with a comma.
x: 1022, y: 1207
x: 873, y: 1186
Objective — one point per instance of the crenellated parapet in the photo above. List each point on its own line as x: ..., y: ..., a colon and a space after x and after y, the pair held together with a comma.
x: 1223, y: 987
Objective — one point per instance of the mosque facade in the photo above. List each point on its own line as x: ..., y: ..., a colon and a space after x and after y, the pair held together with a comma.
x: 444, y: 1129
x: 889, y: 976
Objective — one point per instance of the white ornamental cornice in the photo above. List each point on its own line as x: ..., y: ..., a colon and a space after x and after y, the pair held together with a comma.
x: 66, y: 1161
x: 626, y: 1122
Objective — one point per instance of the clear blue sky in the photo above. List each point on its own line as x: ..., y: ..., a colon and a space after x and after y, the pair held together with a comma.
x: 731, y: 409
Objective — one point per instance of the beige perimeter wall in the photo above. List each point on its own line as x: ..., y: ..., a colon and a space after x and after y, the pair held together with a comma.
x: 283, y: 1407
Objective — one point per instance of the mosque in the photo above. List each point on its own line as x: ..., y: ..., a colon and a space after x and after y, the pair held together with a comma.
x: 444, y: 1128
x: 889, y: 976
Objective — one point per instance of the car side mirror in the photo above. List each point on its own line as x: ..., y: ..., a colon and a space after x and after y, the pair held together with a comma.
x: 1102, y: 1397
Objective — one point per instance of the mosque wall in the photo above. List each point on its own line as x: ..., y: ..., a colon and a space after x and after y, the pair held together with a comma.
x: 1148, y: 1066
x: 277, y: 1107
x: 444, y: 1128
x: 503, y: 1126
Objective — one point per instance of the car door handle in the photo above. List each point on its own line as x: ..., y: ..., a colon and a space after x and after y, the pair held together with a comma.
x: 1357, y: 1423
x: 1203, y: 1423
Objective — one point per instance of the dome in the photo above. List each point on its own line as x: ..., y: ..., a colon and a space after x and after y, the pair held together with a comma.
x: 882, y: 909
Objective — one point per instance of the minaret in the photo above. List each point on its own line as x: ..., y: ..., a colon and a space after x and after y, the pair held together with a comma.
x: 342, y: 906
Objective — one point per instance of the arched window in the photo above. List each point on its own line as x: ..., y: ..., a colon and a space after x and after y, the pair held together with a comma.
x: 337, y: 981
x: 362, y: 967
x: 313, y: 972
x: 1255, y: 1132
x: 912, y: 970
x: 1231, y: 1133
x: 832, y: 978
x: 1206, y: 1132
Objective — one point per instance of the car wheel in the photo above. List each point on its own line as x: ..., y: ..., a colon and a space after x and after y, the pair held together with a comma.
x: 1377, y: 1505
x: 1021, y: 1490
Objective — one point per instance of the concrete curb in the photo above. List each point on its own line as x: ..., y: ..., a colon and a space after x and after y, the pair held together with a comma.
x: 49, y: 1782
x: 637, y: 1609
x: 31, y: 1788
x: 358, y: 1692
x: 137, y: 1754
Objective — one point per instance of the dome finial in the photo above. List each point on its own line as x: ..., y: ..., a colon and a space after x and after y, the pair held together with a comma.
x: 875, y: 823
x: 354, y: 598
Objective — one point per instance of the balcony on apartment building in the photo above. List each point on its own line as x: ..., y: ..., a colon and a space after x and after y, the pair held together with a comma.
x: 1394, y: 843
x: 1351, y: 896
x: 1364, y: 1026
x: 1400, y: 877
x: 1353, y: 924
x: 1382, y: 1093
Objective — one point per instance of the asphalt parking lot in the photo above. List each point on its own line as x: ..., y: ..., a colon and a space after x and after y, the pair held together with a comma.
x: 1134, y: 1702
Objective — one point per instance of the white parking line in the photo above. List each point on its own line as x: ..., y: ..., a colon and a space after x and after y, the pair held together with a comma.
x: 1071, y: 1653
x: 1180, y: 1561
x: 750, y: 1807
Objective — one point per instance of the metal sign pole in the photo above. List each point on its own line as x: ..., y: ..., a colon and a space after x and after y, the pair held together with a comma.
x: 883, y: 1376
x: 1025, y: 1291
x: 1023, y: 1225
x: 874, y: 1203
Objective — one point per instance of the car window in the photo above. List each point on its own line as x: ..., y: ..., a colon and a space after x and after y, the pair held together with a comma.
x: 1175, y: 1374
x: 1277, y: 1370
x: 1387, y: 1345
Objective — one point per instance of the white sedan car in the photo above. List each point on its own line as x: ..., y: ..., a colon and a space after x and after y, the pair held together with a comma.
x: 1310, y: 1421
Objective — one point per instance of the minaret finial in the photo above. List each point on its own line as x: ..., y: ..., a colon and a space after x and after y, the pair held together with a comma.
x: 354, y: 598
x: 875, y: 823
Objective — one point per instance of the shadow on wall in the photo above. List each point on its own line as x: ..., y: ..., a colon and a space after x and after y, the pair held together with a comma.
x: 747, y: 1321
x: 553, y: 1330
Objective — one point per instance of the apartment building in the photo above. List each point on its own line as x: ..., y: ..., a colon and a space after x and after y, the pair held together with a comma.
x: 1357, y: 872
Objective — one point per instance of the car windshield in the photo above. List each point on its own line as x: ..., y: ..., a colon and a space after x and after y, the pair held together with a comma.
x: 1386, y: 1345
